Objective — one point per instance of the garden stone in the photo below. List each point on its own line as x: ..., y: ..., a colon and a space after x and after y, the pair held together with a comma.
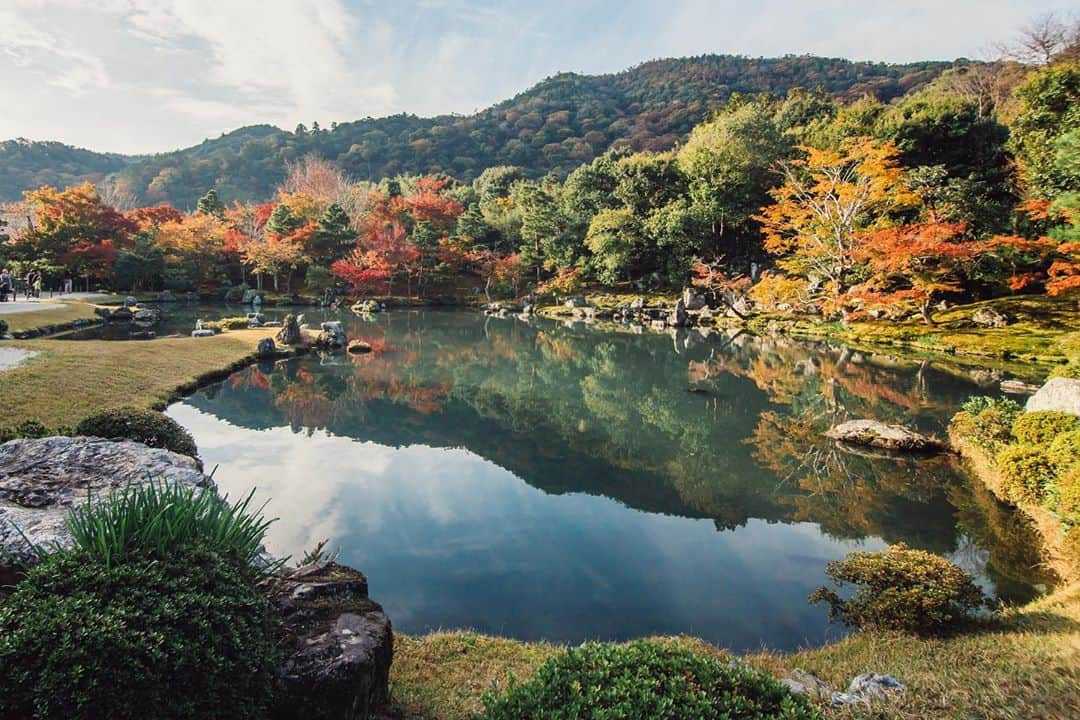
x: 990, y: 318
x: 342, y: 644
x: 692, y: 299
x: 146, y: 316
x: 40, y: 480
x: 358, y: 347
x: 868, y: 689
x: 290, y: 331
x: 122, y: 314
x: 331, y: 336
x: 880, y: 435
x: 166, y: 296
x: 129, y: 302
x: 578, y: 301
x: 677, y: 318
x: 267, y: 348
x: 1060, y: 394
x: 249, y: 296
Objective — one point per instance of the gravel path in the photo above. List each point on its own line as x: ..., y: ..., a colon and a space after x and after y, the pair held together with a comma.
x: 12, y: 357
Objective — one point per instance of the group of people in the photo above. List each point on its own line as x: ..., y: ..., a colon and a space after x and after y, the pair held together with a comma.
x: 31, y: 286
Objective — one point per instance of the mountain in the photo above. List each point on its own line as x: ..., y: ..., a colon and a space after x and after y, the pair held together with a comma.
x: 554, y: 126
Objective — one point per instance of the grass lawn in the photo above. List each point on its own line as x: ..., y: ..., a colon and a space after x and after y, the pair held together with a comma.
x: 71, y: 311
x: 71, y: 379
x: 1026, y: 666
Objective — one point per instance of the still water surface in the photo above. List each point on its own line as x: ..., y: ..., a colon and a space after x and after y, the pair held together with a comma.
x: 556, y: 482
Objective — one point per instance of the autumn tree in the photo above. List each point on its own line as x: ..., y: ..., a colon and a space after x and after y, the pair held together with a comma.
x: 829, y: 200
x: 914, y: 263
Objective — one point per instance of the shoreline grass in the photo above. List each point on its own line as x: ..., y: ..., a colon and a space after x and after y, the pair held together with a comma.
x: 68, y: 380
x: 73, y: 311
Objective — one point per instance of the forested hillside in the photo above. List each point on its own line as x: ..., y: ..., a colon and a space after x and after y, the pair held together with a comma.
x: 560, y: 123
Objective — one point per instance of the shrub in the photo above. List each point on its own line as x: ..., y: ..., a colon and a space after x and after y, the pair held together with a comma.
x: 27, y: 429
x: 150, y: 427
x: 1064, y: 451
x: 1043, y: 426
x: 3, y: 327
x: 185, y: 635
x: 154, y: 518
x: 235, y: 293
x: 987, y: 422
x: 1026, y: 471
x: 318, y: 277
x: 900, y: 589
x: 645, y: 680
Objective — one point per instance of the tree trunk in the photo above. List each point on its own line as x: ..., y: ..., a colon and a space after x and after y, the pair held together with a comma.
x: 925, y: 310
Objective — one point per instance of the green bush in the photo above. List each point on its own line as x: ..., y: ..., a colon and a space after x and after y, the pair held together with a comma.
x: 156, y: 517
x: 900, y: 589
x: 1064, y: 451
x: 1070, y: 369
x: 182, y: 636
x: 1026, y: 471
x: 235, y: 293
x: 150, y: 427
x: 229, y: 323
x: 27, y: 429
x: 1043, y: 426
x: 3, y: 327
x: 318, y: 277
x: 987, y: 422
x: 646, y: 681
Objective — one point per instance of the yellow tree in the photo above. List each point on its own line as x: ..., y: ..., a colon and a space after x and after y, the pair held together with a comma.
x: 195, y: 243
x: 828, y: 200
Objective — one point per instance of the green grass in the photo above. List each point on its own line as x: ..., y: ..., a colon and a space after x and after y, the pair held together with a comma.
x: 71, y: 311
x: 69, y: 380
x: 1025, y: 666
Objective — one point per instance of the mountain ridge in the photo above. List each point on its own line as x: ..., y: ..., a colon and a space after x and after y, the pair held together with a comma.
x: 558, y: 123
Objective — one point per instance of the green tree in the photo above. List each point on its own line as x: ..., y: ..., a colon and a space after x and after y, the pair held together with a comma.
x: 210, y: 204
x: 282, y: 221
x: 333, y: 236
x: 615, y: 239
x: 1047, y: 107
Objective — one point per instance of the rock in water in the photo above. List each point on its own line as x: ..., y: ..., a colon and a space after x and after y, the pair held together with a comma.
x: 880, y: 435
x: 289, y: 334
x: 677, y: 318
x: 1061, y: 394
x: 332, y: 336
x: 342, y: 645
x: 358, y: 347
x: 41, y: 479
x: 990, y: 318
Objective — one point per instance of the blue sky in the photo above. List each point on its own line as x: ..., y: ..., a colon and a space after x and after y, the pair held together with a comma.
x: 156, y: 75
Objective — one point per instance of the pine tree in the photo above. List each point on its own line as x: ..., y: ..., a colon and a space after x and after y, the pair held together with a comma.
x: 333, y: 236
x: 210, y: 204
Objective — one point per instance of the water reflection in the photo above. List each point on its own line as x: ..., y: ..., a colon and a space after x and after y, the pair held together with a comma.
x: 561, y: 483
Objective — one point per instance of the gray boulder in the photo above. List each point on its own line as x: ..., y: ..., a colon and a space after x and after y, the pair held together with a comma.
x: 1060, y: 394
x: 693, y: 299
x: 868, y: 689
x: 341, y: 645
x: 267, y: 348
x: 166, y: 296
x: 578, y: 301
x: 358, y: 347
x: 677, y: 317
x: 40, y: 480
x: 289, y: 334
x: 990, y: 318
x: 883, y: 436
x: 331, y: 336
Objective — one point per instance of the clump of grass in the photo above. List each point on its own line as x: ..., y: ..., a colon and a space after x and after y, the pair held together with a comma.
x: 157, y: 517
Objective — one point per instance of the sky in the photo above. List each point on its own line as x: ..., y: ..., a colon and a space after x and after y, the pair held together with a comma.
x: 140, y: 76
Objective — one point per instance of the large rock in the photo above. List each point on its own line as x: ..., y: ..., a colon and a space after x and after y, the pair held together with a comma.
x: 331, y: 336
x: 868, y: 689
x: 267, y: 348
x: 40, y: 480
x: 678, y: 317
x: 289, y: 334
x: 1061, y: 394
x: 578, y: 301
x: 990, y: 318
x: 693, y: 299
x: 342, y: 645
x: 880, y: 435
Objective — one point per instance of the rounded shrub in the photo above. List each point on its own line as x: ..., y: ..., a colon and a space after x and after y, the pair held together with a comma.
x: 1043, y: 426
x: 1026, y: 472
x: 1064, y: 451
x: 150, y: 427
x: 986, y: 421
x: 3, y: 326
x: 184, y: 636
x: 27, y: 429
x: 645, y: 680
x: 900, y: 589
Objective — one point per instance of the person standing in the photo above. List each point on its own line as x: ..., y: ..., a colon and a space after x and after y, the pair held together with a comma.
x: 37, y: 285
x: 28, y: 288
x: 7, y: 283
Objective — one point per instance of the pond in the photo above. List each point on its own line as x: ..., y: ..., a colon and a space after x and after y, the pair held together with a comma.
x: 176, y: 319
x: 545, y: 481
